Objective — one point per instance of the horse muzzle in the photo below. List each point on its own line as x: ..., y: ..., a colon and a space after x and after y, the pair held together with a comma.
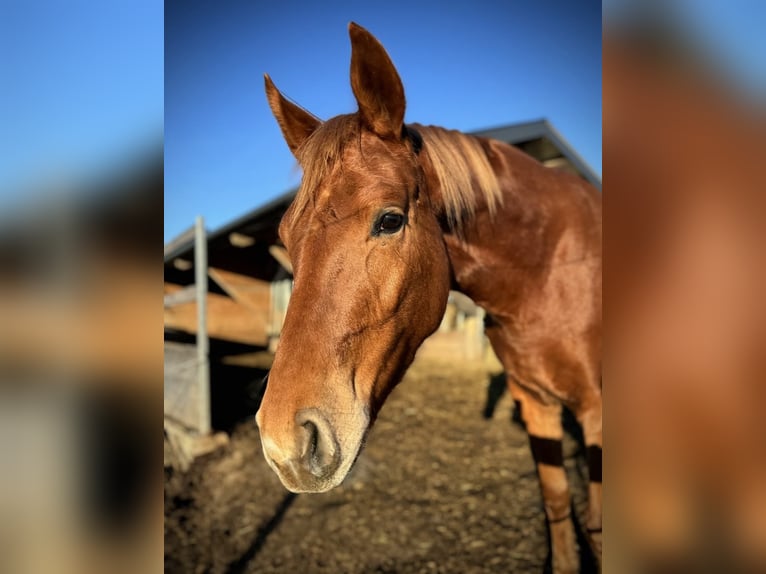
x: 310, y: 460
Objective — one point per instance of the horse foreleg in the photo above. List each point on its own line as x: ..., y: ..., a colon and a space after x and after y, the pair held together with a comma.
x: 543, y: 421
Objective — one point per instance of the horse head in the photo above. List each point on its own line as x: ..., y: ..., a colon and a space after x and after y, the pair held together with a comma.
x: 371, y: 274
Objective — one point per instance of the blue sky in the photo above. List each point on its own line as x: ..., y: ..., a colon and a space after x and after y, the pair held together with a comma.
x: 467, y: 66
x: 81, y: 88
x: 87, y: 85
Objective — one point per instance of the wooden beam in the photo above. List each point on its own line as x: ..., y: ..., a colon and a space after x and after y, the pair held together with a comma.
x: 240, y: 239
x: 242, y: 315
x: 181, y: 295
x: 182, y: 264
x: 280, y: 254
x: 227, y: 320
x: 248, y: 291
x: 181, y: 240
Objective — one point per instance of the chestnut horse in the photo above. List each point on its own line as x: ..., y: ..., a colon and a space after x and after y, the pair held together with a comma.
x: 387, y: 219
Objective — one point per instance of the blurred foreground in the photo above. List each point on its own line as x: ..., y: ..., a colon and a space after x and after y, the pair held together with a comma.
x: 80, y: 377
x: 685, y: 274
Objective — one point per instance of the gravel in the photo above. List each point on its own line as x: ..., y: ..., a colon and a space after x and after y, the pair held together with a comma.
x: 439, y: 488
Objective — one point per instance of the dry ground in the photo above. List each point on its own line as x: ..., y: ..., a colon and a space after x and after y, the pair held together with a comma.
x: 438, y: 488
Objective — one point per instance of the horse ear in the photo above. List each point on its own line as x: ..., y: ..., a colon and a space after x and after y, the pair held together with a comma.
x: 376, y: 84
x: 297, y: 124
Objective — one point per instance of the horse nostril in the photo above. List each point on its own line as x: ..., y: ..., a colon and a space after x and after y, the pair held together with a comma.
x: 320, y: 453
x: 310, y: 448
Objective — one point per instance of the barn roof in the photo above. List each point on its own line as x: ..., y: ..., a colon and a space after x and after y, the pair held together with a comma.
x: 242, y: 245
x: 543, y: 142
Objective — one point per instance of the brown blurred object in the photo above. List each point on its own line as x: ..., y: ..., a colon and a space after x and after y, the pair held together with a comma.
x: 685, y: 278
x: 80, y: 377
x: 77, y: 285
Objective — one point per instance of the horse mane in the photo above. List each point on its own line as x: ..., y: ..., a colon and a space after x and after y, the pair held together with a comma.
x: 463, y: 172
x: 460, y: 164
x: 317, y: 154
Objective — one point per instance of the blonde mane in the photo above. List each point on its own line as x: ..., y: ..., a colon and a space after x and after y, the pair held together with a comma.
x: 459, y: 162
x: 463, y: 170
x: 319, y: 152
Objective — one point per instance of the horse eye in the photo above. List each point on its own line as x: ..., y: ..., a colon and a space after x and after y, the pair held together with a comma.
x: 389, y: 223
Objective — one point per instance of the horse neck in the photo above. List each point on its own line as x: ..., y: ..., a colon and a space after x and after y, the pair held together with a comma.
x: 512, y: 247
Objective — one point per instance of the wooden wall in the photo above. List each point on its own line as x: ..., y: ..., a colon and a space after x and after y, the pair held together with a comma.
x: 240, y: 314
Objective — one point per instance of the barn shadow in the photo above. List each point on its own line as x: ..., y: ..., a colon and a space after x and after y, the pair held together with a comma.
x: 237, y: 379
x: 240, y: 565
x: 496, y: 389
x: 235, y: 394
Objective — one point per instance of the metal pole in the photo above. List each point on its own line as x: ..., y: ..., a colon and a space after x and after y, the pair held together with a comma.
x: 203, y: 367
x: 479, y: 335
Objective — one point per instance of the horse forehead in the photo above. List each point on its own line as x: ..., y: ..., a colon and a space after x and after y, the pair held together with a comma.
x: 364, y: 177
x: 380, y: 160
x: 356, y: 185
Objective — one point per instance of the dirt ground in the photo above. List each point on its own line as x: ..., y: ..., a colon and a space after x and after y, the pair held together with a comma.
x: 440, y: 487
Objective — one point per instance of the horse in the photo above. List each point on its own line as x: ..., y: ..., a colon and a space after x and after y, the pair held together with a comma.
x: 390, y: 216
